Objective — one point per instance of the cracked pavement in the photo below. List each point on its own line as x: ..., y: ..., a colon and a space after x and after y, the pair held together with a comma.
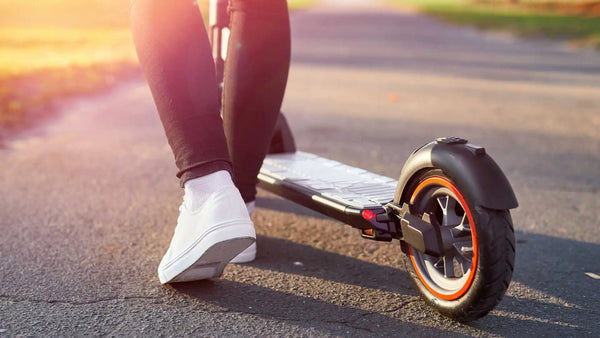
x: 89, y: 200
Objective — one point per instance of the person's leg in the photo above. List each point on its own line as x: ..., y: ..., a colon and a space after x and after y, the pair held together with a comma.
x: 175, y: 56
x: 174, y: 53
x: 256, y: 70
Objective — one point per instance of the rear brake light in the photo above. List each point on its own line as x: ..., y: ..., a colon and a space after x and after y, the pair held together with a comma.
x: 368, y: 215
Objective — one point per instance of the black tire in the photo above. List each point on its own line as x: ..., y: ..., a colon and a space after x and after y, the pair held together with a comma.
x: 486, y: 269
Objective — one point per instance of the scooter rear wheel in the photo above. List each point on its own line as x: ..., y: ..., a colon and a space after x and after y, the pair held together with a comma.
x: 473, y: 274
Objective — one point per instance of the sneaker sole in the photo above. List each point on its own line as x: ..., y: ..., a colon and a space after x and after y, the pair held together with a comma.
x: 246, y: 256
x: 212, y: 263
x: 210, y: 254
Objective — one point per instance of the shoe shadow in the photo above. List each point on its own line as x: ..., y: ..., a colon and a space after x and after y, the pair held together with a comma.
x: 306, y: 312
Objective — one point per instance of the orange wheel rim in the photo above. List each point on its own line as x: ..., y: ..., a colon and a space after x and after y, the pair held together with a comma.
x: 444, y: 182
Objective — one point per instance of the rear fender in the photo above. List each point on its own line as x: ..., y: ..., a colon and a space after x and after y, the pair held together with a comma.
x: 469, y: 166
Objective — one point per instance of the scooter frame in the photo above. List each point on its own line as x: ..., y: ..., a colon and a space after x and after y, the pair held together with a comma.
x: 469, y: 166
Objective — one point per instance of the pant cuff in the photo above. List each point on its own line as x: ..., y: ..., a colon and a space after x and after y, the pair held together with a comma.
x: 204, y: 169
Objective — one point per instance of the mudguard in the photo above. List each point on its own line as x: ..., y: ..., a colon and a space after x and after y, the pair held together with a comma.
x: 282, y: 140
x: 471, y: 168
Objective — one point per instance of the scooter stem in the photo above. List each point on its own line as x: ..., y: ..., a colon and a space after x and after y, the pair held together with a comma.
x: 218, y: 19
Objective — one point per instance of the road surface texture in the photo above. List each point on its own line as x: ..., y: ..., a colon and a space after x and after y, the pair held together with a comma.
x: 89, y: 201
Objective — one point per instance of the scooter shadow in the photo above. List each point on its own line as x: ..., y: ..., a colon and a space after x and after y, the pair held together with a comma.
x: 277, y: 257
x: 313, y: 314
x: 287, y: 257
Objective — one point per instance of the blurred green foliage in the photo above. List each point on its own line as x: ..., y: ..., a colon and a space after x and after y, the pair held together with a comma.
x: 572, y: 20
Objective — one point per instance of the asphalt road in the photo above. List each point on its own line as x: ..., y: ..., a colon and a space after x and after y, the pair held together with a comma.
x: 88, y: 202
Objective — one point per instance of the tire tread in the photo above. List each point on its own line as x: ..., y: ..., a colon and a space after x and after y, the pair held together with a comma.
x: 500, y: 271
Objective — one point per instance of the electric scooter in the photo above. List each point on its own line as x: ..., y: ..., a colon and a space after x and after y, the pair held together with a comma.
x: 449, y: 209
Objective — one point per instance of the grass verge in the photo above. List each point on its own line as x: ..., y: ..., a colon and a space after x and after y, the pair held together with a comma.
x: 574, y: 21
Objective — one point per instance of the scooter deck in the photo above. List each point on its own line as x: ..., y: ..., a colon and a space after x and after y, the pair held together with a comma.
x: 327, y: 186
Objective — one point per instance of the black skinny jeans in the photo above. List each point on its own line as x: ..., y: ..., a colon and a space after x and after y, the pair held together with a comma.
x: 175, y: 56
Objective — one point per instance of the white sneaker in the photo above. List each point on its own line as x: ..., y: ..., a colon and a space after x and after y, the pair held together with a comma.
x: 249, y: 254
x: 207, y: 239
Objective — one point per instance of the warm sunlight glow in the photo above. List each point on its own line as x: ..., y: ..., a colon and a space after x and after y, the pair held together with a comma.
x: 55, y: 48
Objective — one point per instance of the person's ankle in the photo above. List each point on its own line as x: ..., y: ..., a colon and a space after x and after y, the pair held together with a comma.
x: 198, y: 190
